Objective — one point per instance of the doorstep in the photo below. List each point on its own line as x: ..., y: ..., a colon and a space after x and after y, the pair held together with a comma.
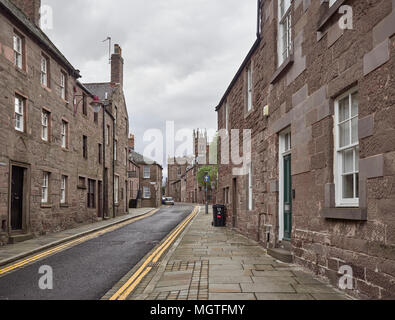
x: 281, y: 254
x: 20, y: 238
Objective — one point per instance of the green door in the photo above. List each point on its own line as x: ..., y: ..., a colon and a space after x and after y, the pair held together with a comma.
x: 287, y: 198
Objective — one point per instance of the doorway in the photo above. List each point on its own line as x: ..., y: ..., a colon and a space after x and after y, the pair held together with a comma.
x: 100, y: 206
x: 234, y: 202
x: 126, y: 197
x: 285, y: 184
x: 19, y: 195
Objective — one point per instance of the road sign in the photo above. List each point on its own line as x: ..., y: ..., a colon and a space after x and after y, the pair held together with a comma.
x: 206, y: 179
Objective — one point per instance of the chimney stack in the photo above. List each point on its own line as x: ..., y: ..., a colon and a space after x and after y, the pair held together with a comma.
x: 31, y: 8
x: 117, y: 66
x: 131, y: 142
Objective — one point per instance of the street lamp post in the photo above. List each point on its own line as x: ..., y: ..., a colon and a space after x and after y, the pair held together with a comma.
x: 207, y: 175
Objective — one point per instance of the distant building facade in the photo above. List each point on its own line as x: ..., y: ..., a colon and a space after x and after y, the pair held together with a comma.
x: 150, y: 180
x: 182, y: 182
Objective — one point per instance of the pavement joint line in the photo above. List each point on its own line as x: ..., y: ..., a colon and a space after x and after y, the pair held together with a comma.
x: 135, y: 279
x: 74, y: 240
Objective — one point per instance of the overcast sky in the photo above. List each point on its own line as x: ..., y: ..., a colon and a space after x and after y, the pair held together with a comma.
x: 180, y: 55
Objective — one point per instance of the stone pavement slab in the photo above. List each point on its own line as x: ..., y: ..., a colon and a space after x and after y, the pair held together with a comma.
x: 221, y: 264
x: 13, y: 252
x: 231, y: 296
x: 224, y: 288
x: 283, y: 296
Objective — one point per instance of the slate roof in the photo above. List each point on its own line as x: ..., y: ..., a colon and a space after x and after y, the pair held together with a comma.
x: 37, y: 33
x: 140, y: 159
x: 100, y: 89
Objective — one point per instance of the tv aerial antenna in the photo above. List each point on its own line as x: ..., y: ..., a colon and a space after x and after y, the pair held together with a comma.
x: 109, y: 49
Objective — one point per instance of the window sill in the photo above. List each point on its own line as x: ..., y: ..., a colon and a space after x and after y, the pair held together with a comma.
x: 281, y: 69
x: 352, y: 214
x: 23, y: 133
x: 46, y: 206
x: 46, y: 88
x: 21, y: 70
x: 64, y: 205
x: 329, y: 13
x: 81, y: 187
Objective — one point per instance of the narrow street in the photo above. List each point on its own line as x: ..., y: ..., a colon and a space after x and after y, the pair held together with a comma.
x: 88, y: 270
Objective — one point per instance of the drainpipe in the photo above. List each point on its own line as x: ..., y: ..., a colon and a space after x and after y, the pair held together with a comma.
x: 258, y: 30
x: 113, y: 161
x: 113, y: 167
x: 105, y: 181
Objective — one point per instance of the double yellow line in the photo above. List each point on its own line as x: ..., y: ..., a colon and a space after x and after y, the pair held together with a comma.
x: 67, y: 245
x: 139, y: 275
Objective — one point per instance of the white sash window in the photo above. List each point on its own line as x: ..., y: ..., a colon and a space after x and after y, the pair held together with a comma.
x: 347, y: 150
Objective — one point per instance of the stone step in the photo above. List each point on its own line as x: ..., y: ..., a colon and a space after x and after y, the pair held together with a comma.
x: 281, y: 255
x: 20, y: 238
x: 286, y: 245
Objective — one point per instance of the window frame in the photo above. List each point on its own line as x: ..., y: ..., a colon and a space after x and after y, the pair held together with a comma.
x: 148, y: 175
x: 63, y: 85
x: 18, y: 55
x: 284, y: 32
x: 45, y: 188
x: 116, y: 190
x: 17, y: 113
x: 91, y: 201
x: 148, y: 189
x: 45, y: 127
x: 342, y: 202
x: 63, y: 189
x: 64, y: 135
x: 44, y: 71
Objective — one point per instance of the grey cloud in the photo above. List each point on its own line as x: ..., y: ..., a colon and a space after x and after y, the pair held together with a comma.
x: 180, y: 55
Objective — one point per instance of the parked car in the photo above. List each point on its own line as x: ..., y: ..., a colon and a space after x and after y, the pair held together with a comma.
x: 169, y: 201
x: 163, y: 200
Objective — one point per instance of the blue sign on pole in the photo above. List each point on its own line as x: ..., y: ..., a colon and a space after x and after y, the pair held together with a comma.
x: 206, y: 179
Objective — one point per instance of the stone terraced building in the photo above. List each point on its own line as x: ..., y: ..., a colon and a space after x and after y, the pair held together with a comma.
x: 54, y: 173
x: 318, y: 92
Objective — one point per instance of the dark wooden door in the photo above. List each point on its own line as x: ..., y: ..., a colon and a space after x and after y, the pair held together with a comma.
x: 287, y: 198
x: 100, y: 205
x: 18, y: 174
x: 126, y: 197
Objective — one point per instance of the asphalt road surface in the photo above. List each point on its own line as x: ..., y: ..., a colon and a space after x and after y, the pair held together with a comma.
x: 88, y: 271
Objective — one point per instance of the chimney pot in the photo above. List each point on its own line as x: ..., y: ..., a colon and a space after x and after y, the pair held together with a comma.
x: 131, y: 142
